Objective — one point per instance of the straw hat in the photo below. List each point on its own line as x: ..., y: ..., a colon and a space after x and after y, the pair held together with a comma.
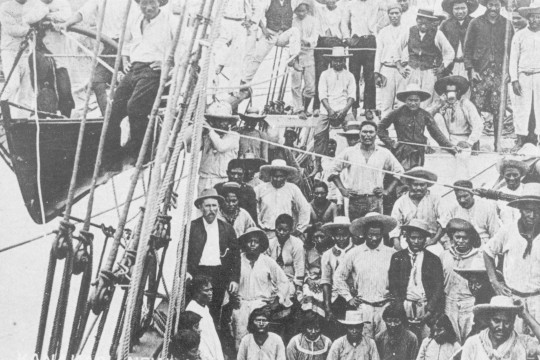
x: 338, y: 52
x: 460, y: 82
x: 448, y: 5
x: 413, y: 89
x: 418, y: 225
x: 340, y: 222
x: 457, y: 224
x: 354, y: 317
x: 420, y: 172
x: 512, y: 162
x: 530, y: 194
x: 477, y: 267
x: 497, y: 303
x: 209, y: 194
x: 534, y: 8
x: 426, y: 13
x: 351, y: 128
x: 252, y: 114
x: 220, y: 110
x: 254, y: 231
x: 388, y: 222
x: 278, y: 164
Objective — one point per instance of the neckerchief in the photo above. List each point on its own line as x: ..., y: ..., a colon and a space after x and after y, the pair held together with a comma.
x: 449, y: 111
x: 231, y: 218
x: 529, y: 239
x: 504, y: 352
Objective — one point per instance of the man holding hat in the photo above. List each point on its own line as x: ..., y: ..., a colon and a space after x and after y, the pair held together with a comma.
x: 417, y: 203
x: 525, y: 75
x: 368, y: 266
x: 483, y: 53
x: 425, y: 53
x: 262, y: 281
x: 465, y: 243
x: 499, y: 340
x: 455, y: 29
x: 518, y: 244
x: 387, y: 76
x: 251, y: 118
x: 456, y: 115
x: 481, y: 213
x: 279, y: 196
x: 213, y: 250
x: 340, y: 235
x: 416, y: 278
x: 219, y: 145
x: 354, y: 345
x: 337, y: 92
x: 410, y: 122
x: 364, y: 185
x: 511, y: 169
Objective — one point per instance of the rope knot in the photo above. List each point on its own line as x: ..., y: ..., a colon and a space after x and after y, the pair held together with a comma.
x: 81, y: 260
x: 61, y: 245
x: 162, y: 232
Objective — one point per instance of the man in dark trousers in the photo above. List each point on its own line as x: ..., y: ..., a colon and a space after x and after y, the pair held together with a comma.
x: 416, y: 278
x: 483, y: 53
x: 213, y: 250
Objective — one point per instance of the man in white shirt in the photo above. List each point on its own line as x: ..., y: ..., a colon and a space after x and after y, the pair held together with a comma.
x: 279, y: 196
x: 337, y: 91
x: 387, y: 76
x: 213, y: 250
x: 525, y: 74
x: 149, y: 36
x: 16, y: 18
x: 408, y: 13
x: 511, y: 170
x: 112, y: 27
x: 330, y: 16
x: 368, y: 265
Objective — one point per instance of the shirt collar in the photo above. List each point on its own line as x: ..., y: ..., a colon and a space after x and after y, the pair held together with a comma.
x: 207, y: 225
x: 367, y: 248
x: 346, y: 249
x: 411, y: 254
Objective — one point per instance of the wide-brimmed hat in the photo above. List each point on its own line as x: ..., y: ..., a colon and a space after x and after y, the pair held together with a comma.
x: 351, y: 128
x: 512, y: 162
x: 460, y: 82
x: 418, y: 225
x: 420, y: 172
x: 278, y: 164
x: 340, y: 222
x: 533, y: 8
x: 252, y: 113
x: 448, y: 5
x: 354, y: 317
x: 497, y: 303
x: 358, y: 225
x: 530, y: 194
x: 161, y: 2
x: 427, y: 13
x: 220, y: 110
x: 338, y: 52
x: 457, y: 224
x: 254, y: 231
x: 413, y: 89
x: 476, y: 267
x: 209, y: 194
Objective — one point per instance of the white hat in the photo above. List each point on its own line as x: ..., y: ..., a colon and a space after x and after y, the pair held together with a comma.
x: 338, y: 52
x: 354, y: 317
x: 497, y: 303
x: 278, y: 164
x: 388, y: 222
x: 339, y: 222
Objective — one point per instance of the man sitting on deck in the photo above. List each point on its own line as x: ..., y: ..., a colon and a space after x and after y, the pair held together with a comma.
x: 149, y: 37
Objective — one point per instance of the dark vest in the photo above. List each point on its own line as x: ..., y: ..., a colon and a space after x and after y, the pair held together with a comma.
x: 423, y: 54
x: 279, y: 17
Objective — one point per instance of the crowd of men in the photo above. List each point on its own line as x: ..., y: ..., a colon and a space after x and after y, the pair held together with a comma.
x: 375, y: 266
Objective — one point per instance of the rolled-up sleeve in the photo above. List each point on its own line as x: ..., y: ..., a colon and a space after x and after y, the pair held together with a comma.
x: 475, y: 120
x: 495, y: 245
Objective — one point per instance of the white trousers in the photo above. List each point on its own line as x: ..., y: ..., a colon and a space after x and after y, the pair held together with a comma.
x: 426, y: 80
x: 376, y: 325
x: 263, y: 46
x: 461, y: 316
x: 19, y: 87
x: 308, y: 77
x: 530, y: 93
x: 394, y: 83
x: 229, y: 47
